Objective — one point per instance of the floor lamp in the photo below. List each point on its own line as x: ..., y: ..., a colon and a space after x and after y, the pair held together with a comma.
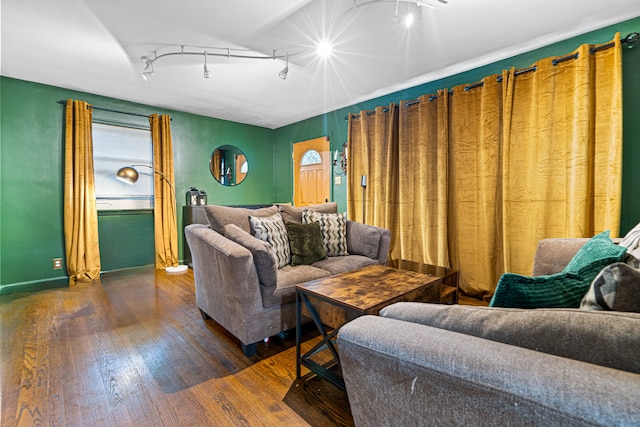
x: 363, y: 184
x: 129, y: 175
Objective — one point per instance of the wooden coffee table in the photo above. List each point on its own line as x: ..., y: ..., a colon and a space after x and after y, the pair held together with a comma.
x: 335, y: 300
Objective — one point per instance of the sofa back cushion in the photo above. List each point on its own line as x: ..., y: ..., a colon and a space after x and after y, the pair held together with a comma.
x: 363, y: 239
x: 603, y: 338
x: 293, y: 214
x: 219, y: 216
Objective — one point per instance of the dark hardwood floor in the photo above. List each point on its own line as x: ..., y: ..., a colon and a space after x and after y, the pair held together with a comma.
x: 133, y: 350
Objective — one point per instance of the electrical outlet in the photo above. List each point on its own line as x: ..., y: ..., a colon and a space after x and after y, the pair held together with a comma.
x: 57, y: 263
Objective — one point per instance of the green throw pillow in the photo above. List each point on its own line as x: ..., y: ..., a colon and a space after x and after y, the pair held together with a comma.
x: 306, y: 243
x: 598, y: 248
x: 564, y: 289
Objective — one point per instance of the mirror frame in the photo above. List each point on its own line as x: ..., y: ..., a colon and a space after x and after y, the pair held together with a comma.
x: 224, y: 164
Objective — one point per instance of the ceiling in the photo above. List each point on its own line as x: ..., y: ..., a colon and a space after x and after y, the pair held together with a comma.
x: 96, y: 46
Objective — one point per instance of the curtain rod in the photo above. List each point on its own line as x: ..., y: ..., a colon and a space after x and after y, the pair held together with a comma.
x: 64, y: 102
x: 629, y: 38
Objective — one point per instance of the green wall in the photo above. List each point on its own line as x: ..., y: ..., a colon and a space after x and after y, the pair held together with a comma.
x: 32, y: 146
x: 334, y: 124
x: 31, y: 180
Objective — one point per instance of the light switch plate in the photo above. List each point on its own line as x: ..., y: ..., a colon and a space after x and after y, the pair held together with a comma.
x: 337, y: 180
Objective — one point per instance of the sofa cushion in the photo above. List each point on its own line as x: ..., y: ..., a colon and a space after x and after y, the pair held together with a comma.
x: 553, y: 254
x: 263, y: 256
x: 605, y: 338
x: 219, y: 216
x: 334, y: 230
x: 616, y: 287
x: 285, y: 289
x: 272, y: 230
x: 293, y: 214
x: 363, y: 239
x: 564, y: 289
x: 306, y: 243
x: 342, y: 264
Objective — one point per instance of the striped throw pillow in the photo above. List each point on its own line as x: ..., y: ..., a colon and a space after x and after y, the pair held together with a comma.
x: 273, y: 231
x: 334, y: 230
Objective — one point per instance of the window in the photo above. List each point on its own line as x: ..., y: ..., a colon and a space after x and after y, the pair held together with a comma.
x: 311, y: 157
x: 115, y: 147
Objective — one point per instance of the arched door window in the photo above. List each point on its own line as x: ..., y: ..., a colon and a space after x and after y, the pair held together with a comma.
x: 310, y: 157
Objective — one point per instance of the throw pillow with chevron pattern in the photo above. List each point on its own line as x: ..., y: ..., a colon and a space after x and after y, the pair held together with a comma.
x: 272, y: 230
x: 334, y: 230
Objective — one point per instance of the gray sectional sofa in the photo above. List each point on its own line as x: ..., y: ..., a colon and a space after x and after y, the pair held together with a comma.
x: 237, y: 279
x: 426, y: 364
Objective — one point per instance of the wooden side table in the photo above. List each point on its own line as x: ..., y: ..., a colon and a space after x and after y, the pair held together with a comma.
x: 450, y: 286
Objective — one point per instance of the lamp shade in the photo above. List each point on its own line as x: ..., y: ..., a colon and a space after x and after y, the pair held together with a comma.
x: 127, y: 174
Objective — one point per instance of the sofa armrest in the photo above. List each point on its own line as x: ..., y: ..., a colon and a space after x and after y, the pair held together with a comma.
x: 226, y: 279
x: 368, y: 240
x: 398, y: 373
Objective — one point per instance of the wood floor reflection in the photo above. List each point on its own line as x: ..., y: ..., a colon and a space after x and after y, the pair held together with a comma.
x: 133, y: 350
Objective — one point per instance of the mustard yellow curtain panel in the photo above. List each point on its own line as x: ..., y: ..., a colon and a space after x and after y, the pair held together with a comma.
x: 423, y: 180
x: 563, y: 151
x: 475, y: 218
x: 164, y: 211
x: 373, y: 152
x: 80, y: 214
x: 474, y: 177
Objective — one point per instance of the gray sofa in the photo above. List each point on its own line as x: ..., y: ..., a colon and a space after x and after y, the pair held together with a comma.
x: 426, y: 364
x: 238, y: 283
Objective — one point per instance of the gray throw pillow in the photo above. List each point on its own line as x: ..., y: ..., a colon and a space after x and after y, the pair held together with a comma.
x: 631, y: 241
x: 263, y: 255
x: 616, y: 287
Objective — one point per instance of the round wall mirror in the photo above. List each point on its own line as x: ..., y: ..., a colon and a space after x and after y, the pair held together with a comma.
x: 228, y: 165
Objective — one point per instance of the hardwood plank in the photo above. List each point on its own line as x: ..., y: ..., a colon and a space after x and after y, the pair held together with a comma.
x: 132, y: 349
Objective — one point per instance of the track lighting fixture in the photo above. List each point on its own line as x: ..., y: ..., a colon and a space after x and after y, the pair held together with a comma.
x: 285, y: 70
x: 229, y: 53
x: 407, y: 21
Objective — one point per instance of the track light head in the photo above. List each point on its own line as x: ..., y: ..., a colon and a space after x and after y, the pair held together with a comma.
x: 207, y: 72
x: 148, y: 69
x: 285, y: 70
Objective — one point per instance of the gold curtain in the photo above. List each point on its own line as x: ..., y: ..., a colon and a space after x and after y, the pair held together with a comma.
x: 82, y: 250
x: 373, y: 152
x: 423, y: 179
x: 563, y: 151
x: 164, y: 211
x: 530, y: 155
x: 475, y: 219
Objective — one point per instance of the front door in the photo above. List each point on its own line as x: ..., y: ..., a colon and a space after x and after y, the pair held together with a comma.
x: 311, y: 172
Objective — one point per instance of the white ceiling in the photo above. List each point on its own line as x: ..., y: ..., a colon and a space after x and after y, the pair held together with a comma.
x: 96, y: 46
